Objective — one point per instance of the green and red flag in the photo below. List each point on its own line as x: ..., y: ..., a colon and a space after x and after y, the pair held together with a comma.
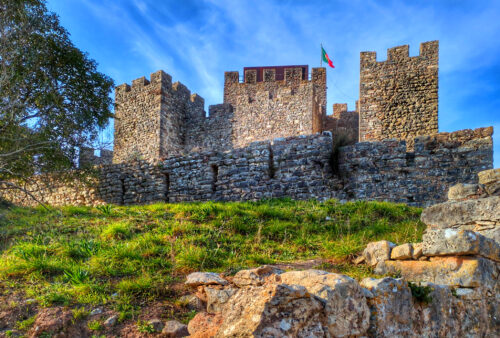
x: 326, y: 58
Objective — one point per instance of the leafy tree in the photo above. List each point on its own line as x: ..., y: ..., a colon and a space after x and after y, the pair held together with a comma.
x: 52, y: 98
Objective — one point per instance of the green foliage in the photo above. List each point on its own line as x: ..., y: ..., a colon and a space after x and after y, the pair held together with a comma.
x: 26, y: 324
x: 105, y: 209
x: 80, y: 313
x: 95, y: 325
x: 421, y: 293
x: 52, y: 98
x: 144, y: 327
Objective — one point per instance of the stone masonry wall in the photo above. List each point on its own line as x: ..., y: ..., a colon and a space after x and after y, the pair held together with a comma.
x: 386, y: 171
x: 268, y: 109
x: 343, y: 123
x: 297, y: 167
x: 398, y: 98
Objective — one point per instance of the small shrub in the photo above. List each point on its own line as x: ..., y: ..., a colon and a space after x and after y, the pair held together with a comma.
x: 26, y: 324
x: 118, y: 230
x: 421, y: 293
x: 144, y: 327
x: 76, y: 276
x: 106, y: 209
x: 95, y: 325
x: 80, y: 313
x: 54, y: 298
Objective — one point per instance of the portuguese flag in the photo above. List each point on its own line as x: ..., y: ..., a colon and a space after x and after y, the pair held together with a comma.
x: 326, y: 58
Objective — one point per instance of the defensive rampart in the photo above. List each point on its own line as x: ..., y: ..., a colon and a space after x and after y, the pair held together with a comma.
x: 300, y: 167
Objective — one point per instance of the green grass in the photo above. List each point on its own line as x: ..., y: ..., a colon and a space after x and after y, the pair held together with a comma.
x: 119, y: 255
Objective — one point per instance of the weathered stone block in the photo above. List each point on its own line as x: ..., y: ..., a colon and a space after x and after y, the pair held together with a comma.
x: 453, y: 271
x: 445, y: 242
x: 491, y: 180
x: 403, y: 251
x: 454, y: 214
x: 390, y: 307
x: 376, y: 252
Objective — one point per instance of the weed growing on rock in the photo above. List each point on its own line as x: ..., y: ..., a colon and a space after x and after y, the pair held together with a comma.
x: 421, y: 293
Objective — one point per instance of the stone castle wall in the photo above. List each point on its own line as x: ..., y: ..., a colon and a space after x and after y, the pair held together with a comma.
x: 343, y: 123
x: 398, y: 98
x: 298, y: 167
x: 156, y: 119
x: 269, y: 109
x: 387, y: 171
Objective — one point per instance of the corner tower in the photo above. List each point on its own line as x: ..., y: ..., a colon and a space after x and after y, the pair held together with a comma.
x: 150, y: 118
x: 398, y: 98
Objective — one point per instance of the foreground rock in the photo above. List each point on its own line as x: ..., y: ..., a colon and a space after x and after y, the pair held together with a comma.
x: 204, y: 278
x: 273, y: 311
x: 452, y: 271
x: 314, y: 303
x: 459, y: 243
x: 346, y: 310
x: 473, y: 214
x: 174, y: 329
x: 377, y: 252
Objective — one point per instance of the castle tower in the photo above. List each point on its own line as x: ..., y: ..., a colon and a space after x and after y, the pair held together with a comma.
x: 270, y: 104
x: 398, y: 98
x: 150, y: 118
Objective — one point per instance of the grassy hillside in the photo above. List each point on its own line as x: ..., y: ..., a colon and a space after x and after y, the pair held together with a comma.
x: 126, y: 257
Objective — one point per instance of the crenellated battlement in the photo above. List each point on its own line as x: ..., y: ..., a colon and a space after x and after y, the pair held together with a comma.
x: 156, y: 117
x: 160, y: 83
x: 401, y: 54
x: 275, y: 101
x: 399, y: 96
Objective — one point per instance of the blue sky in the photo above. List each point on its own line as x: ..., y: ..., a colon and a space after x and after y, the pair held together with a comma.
x: 196, y: 41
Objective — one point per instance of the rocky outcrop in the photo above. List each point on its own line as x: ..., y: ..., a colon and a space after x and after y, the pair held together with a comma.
x: 315, y: 303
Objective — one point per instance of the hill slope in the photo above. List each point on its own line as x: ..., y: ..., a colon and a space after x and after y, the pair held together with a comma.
x: 131, y: 261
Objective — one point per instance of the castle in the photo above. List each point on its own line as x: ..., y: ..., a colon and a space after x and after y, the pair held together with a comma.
x: 398, y: 98
x: 271, y: 137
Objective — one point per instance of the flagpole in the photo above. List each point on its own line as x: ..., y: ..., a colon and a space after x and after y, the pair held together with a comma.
x: 321, y: 58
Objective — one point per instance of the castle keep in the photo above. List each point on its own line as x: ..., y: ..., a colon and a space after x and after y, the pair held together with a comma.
x: 271, y: 137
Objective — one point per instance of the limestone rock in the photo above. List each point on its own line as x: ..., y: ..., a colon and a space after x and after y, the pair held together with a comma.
x: 417, y: 250
x: 378, y: 252
x: 255, y: 276
x: 192, y: 302
x: 453, y: 271
x: 346, y: 310
x: 277, y: 310
x: 174, y: 329
x: 390, y: 307
x: 111, y: 321
x: 204, y: 278
x: 216, y: 298
x: 204, y: 325
x: 491, y: 180
x: 444, y: 242
x: 403, y: 251
x: 455, y: 214
x: 462, y: 191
